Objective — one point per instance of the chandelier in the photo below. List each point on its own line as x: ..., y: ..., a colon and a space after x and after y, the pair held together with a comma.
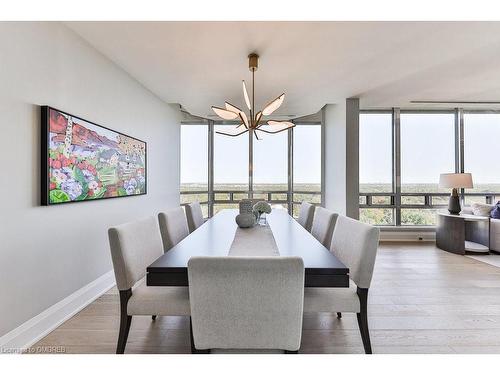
x: 254, y: 122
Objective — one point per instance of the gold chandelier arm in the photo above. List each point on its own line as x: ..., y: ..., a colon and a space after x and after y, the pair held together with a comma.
x: 279, y: 126
x: 276, y: 132
x: 258, y: 117
x: 244, y: 118
x: 232, y: 108
x: 235, y: 134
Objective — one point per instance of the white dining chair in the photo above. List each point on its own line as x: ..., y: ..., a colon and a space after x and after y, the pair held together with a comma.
x: 194, y: 216
x: 306, y: 215
x: 355, y: 244
x: 323, y: 224
x: 173, y: 227
x: 134, y: 246
x: 246, y: 303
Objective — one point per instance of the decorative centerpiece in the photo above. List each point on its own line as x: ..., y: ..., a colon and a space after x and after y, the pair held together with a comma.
x: 261, y: 209
x: 245, y: 220
x: 246, y: 206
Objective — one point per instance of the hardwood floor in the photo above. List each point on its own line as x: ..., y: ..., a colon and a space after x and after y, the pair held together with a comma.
x: 422, y: 300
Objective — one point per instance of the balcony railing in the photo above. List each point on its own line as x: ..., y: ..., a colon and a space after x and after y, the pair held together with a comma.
x: 416, y: 201
x: 366, y: 200
x: 227, y: 198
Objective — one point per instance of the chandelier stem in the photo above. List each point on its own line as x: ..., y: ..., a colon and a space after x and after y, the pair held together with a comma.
x: 253, y: 99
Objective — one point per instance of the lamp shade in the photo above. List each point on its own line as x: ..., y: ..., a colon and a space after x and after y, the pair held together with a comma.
x: 455, y: 180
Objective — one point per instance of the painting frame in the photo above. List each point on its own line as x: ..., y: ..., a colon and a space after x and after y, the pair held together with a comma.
x: 45, y: 156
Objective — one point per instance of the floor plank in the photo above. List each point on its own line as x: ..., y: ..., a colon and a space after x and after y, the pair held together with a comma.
x: 422, y: 300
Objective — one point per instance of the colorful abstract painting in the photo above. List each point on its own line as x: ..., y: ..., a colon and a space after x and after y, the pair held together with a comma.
x: 85, y: 161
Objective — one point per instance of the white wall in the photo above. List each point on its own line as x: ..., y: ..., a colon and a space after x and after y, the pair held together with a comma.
x: 46, y: 253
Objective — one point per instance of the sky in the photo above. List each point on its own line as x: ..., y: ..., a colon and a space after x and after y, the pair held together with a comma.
x: 231, y: 156
x: 482, y: 147
x: 427, y: 147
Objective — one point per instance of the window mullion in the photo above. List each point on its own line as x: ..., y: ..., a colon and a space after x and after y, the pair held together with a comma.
x: 290, y: 172
x: 210, y: 168
x: 396, y: 155
x: 461, y: 150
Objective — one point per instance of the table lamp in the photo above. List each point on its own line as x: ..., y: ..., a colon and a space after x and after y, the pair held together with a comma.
x: 455, y: 181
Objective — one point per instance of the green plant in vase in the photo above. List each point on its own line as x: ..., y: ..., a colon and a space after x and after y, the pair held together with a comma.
x: 260, y: 209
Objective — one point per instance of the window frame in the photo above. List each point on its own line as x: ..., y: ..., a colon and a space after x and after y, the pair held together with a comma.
x: 250, y: 192
x: 397, y: 195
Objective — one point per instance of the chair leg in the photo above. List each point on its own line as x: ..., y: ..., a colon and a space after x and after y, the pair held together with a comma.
x: 339, y: 315
x: 125, y: 321
x: 193, y: 348
x: 153, y: 317
x: 363, y: 319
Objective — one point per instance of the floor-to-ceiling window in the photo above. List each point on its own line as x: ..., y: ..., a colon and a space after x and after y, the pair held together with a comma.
x: 306, y: 165
x: 408, y: 150
x: 427, y: 150
x: 215, y: 168
x: 376, y: 167
x: 230, y: 169
x: 194, y: 165
x: 270, y: 167
x: 481, y: 146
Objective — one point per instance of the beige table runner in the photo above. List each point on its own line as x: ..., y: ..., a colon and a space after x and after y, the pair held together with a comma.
x: 255, y: 241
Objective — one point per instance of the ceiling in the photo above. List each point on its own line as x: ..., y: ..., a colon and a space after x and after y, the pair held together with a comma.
x: 385, y: 64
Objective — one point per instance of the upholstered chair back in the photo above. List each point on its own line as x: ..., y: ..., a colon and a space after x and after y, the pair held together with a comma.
x: 173, y: 227
x: 355, y: 244
x: 134, y: 246
x: 323, y: 224
x: 246, y: 302
x: 306, y: 215
x: 194, y: 216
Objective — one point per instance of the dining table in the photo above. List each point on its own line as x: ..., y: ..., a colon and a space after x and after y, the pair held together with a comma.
x: 219, y: 236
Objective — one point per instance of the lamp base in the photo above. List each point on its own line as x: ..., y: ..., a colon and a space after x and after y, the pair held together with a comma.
x: 454, y: 205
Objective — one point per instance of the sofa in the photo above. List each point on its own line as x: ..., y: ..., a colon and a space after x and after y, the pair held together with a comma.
x: 494, y: 227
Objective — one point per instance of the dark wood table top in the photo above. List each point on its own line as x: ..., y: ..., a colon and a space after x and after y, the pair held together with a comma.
x: 214, y: 238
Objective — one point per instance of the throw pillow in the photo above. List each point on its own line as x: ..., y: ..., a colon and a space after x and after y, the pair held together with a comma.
x: 481, y: 209
x: 495, y: 213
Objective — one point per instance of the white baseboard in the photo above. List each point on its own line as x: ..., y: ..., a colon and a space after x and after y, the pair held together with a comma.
x: 30, y: 332
x: 409, y: 236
